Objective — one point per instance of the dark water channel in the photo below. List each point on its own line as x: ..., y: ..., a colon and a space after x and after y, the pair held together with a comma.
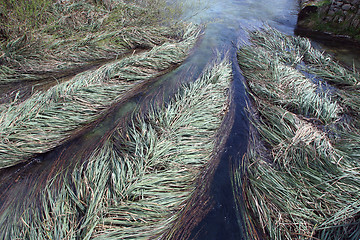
x: 225, y: 31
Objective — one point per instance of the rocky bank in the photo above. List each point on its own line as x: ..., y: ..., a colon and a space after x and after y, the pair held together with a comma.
x: 335, y: 17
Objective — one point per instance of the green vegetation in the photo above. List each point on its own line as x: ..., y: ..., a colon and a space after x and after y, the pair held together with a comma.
x: 76, y: 33
x: 136, y: 182
x: 316, y: 21
x: 20, y: 16
x: 300, y: 176
x: 134, y: 185
x: 48, y: 118
x: 84, y: 33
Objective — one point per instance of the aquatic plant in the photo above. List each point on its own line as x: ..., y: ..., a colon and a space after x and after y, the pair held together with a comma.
x: 298, y: 51
x: 300, y: 176
x: 79, y: 33
x: 49, y: 118
x: 271, y: 68
x: 134, y: 184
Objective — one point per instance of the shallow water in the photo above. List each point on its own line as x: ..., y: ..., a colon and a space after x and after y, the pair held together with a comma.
x: 227, y: 22
x: 226, y: 30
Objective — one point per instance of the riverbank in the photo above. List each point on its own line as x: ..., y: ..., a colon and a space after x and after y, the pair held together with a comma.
x: 339, y: 20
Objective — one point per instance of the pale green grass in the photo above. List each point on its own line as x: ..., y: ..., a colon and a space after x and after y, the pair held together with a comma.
x: 134, y: 185
x: 273, y: 76
x: 77, y: 33
x: 49, y: 118
x: 300, y: 176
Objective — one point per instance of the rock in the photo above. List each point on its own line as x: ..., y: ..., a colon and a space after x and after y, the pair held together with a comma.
x: 346, y: 7
x: 331, y: 13
x: 338, y: 4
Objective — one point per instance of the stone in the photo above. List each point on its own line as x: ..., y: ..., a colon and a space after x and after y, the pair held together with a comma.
x: 346, y: 7
x: 331, y: 13
x: 338, y: 4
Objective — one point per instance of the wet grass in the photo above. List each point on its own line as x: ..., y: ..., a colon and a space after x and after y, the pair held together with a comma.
x: 134, y: 184
x: 76, y: 33
x: 80, y: 34
x: 48, y: 118
x: 300, y: 176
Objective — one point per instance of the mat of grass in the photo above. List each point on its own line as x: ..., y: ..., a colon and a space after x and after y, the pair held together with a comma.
x: 47, y: 119
x: 75, y: 33
x: 134, y: 185
x: 300, y: 176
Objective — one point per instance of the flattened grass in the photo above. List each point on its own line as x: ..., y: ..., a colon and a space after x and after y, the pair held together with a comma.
x: 134, y: 185
x: 77, y: 33
x: 300, y: 176
x: 47, y: 119
x: 271, y: 66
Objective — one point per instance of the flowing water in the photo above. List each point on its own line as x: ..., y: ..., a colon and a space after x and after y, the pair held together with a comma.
x: 227, y: 22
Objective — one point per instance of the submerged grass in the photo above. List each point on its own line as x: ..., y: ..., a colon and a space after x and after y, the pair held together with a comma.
x: 48, y: 118
x: 135, y: 183
x: 300, y: 176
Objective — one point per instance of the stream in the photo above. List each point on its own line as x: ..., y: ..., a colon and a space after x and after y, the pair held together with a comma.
x: 227, y: 22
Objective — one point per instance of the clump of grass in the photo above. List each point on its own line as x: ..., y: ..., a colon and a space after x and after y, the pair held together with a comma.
x: 81, y: 33
x: 135, y: 183
x: 47, y: 119
x: 273, y: 76
x: 300, y: 176
x: 297, y: 50
x: 20, y: 16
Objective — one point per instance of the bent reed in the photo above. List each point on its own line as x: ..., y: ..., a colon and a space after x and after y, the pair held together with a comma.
x: 75, y: 33
x: 48, y: 118
x: 300, y: 176
x: 134, y: 185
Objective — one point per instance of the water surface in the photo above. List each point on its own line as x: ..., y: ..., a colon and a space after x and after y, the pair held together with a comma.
x: 226, y: 24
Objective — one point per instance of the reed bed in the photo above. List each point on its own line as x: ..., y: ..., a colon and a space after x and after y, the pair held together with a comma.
x: 298, y: 51
x: 49, y: 118
x: 300, y: 176
x: 79, y: 33
x: 134, y: 184
x: 276, y: 77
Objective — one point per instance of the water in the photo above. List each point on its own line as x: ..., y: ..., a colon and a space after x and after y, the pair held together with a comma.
x: 227, y: 22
